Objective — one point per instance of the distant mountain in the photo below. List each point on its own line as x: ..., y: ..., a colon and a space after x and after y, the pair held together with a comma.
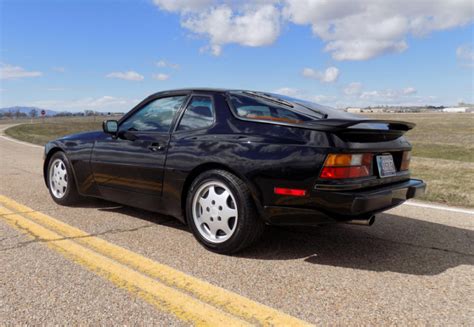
x: 27, y: 110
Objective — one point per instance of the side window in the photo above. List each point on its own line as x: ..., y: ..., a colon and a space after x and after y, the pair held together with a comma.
x: 198, y: 114
x: 155, y: 116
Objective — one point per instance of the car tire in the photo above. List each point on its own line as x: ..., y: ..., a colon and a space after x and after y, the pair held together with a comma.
x: 60, y: 180
x: 214, y: 198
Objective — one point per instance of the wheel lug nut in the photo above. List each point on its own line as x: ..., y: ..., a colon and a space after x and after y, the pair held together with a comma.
x: 213, y: 202
x: 212, y: 219
x: 208, y: 209
x: 220, y: 208
x: 219, y: 218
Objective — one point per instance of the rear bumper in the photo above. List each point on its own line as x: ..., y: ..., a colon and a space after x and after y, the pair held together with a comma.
x: 329, y: 206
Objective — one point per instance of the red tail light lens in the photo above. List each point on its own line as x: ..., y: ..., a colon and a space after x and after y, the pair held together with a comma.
x: 405, y: 160
x: 339, y: 166
x: 289, y: 191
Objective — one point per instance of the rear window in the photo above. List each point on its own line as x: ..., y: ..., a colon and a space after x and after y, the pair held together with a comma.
x: 249, y: 107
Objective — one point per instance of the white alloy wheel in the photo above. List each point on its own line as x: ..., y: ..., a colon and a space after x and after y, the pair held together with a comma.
x: 58, y: 178
x: 214, y: 211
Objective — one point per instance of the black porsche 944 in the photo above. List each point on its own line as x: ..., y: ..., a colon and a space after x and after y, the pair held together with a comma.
x: 229, y: 162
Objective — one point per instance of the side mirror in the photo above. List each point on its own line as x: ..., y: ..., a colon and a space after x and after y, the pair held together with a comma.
x: 110, y: 127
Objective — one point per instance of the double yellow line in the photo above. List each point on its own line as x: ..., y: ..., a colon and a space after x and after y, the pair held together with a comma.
x: 172, y: 291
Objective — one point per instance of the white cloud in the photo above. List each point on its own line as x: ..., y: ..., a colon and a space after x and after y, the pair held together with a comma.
x: 129, y: 76
x: 329, y: 75
x: 251, y: 24
x: 166, y: 64
x: 301, y: 94
x: 215, y: 50
x: 322, y: 99
x: 353, y: 88
x: 59, y: 69
x: 288, y: 91
x: 391, y: 96
x: 182, y: 5
x: 161, y: 76
x: 359, y: 30
x: 465, y: 55
x: 15, y: 72
x: 409, y: 91
x: 354, y: 94
x: 352, y: 30
x: 104, y: 103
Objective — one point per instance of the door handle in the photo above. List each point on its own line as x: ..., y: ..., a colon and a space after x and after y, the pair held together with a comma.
x: 154, y: 147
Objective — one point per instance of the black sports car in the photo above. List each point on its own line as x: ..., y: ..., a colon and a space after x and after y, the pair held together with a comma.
x: 228, y: 162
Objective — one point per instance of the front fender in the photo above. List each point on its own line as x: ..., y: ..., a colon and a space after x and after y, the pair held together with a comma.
x: 49, y: 149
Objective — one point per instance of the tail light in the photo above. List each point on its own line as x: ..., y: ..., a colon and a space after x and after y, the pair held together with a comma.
x: 289, y: 191
x: 339, y: 166
x: 405, y: 160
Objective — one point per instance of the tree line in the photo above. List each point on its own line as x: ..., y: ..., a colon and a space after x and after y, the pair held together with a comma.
x: 34, y: 113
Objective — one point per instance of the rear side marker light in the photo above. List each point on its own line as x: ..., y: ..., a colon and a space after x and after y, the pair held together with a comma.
x: 289, y: 191
x: 340, y: 166
x: 405, y: 160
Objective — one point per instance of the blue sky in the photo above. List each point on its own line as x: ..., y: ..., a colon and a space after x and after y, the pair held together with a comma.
x: 108, y: 55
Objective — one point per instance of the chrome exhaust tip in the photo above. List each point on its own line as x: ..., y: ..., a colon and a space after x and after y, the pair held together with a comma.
x: 362, y: 222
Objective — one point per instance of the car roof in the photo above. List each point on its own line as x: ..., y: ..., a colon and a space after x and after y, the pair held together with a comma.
x: 302, y: 104
x: 206, y: 89
x: 193, y: 89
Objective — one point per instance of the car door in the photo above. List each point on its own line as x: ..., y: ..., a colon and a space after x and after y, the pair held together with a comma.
x: 128, y: 168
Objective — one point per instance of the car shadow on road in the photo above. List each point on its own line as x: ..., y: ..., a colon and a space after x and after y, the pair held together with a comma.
x: 393, y: 243
x: 107, y: 206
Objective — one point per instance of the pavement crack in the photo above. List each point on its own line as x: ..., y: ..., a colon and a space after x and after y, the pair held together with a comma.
x: 421, y: 246
x: 26, y: 171
x: 366, y: 236
x: 3, y: 239
x: 37, y: 239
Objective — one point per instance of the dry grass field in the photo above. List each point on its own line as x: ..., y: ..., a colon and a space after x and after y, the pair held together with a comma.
x: 443, y: 148
x: 439, y: 135
x: 40, y: 132
x: 443, y: 154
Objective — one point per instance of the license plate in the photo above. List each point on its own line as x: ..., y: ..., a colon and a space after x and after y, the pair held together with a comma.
x: 386, y: 166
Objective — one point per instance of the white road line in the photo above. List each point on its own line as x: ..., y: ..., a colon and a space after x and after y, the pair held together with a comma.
x: 437, y: 207
x: 20, y: 142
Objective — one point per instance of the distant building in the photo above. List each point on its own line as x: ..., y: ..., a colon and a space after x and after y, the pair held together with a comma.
x: 354, y: 110
x: 457, y: 109
x: 375, y: 110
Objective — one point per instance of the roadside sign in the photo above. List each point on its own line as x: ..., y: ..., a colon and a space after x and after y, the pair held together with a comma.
x: 43, y: 112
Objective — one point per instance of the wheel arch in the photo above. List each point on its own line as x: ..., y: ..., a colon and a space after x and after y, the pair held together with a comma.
x: 254, y: 191
x: 47, y: 159
x: 46, y: 162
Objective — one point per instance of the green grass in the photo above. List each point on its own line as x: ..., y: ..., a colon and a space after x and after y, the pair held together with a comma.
x: 443, y: 154
x: 437, y: 128
x: 443, y: 151
x: 449, y: 181
x: 42, y: 133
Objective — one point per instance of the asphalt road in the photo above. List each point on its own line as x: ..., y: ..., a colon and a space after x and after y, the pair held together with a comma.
x: 101, y: 263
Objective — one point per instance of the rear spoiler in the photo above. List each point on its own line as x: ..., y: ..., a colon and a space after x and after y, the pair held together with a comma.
x: 347, y: 129
x: 337, y: 125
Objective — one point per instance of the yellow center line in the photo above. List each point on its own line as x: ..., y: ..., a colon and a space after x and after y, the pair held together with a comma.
x: 230, y: 302
x: 163, y: 297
